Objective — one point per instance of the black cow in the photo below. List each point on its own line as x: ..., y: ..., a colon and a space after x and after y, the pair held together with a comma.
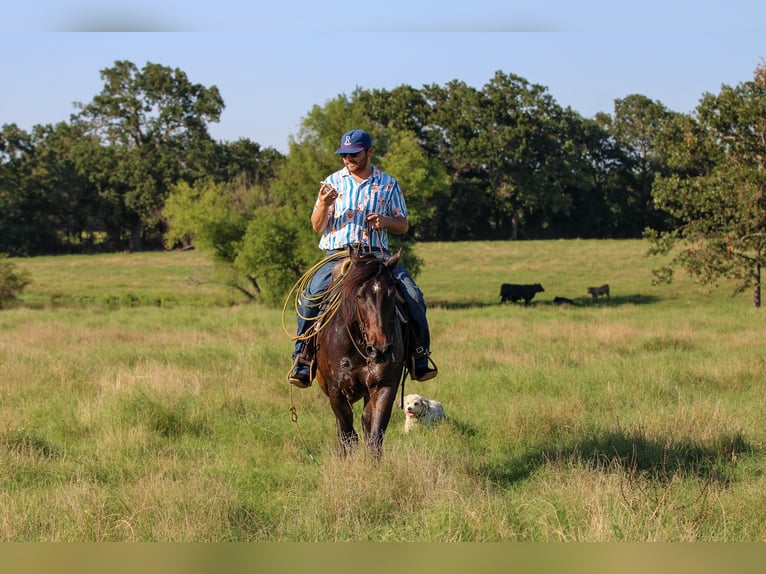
x: 516, y: 292
x: 602, y: 290
x: 563, y: 301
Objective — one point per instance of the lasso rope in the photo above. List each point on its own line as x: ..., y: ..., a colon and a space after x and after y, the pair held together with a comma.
x: 294, y: 418
x: 331, y: 295
x: 299, y: 291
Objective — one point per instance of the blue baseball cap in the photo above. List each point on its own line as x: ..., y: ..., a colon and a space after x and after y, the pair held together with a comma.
x: 354, y: 141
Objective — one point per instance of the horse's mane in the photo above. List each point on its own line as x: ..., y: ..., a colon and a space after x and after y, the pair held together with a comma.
x: 362, y: 269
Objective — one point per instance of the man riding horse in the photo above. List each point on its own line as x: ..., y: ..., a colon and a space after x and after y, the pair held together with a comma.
x: 358, y: 206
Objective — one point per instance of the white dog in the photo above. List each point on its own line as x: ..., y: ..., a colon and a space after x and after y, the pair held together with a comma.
x: 420, y: 410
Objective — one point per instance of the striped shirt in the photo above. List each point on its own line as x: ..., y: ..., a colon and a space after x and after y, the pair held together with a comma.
x: 380, y: 193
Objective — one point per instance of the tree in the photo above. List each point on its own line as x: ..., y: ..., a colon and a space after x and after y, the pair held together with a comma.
x: 213, y: 217
x: 423, y: 180
x: 19, y: 203
x: 259, y: 236
x: 717, y: 190
x: 254, y: 241
x: 598, y: 197
x: 74, y: 215
x: 270, y: 251
x: 637, y: 127
x: 153, y: 123
x: 506, y: 144
x: 12, y: 283
x: 244, y: 161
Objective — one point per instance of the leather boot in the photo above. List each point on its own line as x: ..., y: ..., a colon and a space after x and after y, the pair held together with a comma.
x: 303, y: 371
x: 424, y: 369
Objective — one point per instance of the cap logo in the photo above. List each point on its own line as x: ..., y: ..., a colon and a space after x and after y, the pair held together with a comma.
x: 354, y: 140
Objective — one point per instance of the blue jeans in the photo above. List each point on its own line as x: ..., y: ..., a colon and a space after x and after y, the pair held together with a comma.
x: 309, y: 303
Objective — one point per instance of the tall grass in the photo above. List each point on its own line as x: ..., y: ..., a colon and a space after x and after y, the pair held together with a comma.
x: 141, y: 400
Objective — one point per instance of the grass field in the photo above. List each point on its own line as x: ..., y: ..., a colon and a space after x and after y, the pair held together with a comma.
x: 140, y: 400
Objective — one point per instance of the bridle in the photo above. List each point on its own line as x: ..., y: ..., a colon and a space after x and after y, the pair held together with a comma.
x: 369, y: 359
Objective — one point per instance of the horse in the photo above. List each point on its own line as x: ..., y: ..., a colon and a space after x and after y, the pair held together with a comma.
x: 360, y: 350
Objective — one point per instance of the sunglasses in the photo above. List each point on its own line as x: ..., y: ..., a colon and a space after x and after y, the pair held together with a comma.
x: 345, y: 155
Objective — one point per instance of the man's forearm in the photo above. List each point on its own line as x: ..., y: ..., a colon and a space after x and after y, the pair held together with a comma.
x: 319, y: 219
x: 397, y: 225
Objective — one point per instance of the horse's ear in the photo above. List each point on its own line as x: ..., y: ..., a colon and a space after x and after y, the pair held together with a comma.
x: 394, y: 259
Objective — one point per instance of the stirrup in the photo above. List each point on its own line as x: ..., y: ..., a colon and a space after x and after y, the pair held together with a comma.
x: 302, y: 378
x: 425, y: 373
x: 304, y: 359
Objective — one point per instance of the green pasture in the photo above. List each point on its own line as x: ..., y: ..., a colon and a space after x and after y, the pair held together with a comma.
x: 141, y: 400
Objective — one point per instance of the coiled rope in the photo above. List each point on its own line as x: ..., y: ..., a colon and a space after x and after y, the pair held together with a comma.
x: 299, y: 291
x: 331, y: 295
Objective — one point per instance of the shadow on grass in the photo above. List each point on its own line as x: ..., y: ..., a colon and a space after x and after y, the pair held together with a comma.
x: 585, y: 302
x: 445, y: 304
x: 632, y: 454
x: 615, y: 301
x: 28, y: 443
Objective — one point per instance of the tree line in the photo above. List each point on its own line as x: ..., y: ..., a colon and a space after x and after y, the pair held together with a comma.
x: 136, y: 168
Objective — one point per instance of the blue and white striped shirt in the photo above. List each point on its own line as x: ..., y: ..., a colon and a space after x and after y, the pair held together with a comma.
x: 380, y: 193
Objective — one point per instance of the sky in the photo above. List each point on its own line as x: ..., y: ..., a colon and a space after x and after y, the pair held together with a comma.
x: 273, y: 63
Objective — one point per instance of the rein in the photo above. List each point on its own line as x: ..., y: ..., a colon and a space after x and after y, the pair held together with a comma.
x: 367, y: 358
x: 360, y: 322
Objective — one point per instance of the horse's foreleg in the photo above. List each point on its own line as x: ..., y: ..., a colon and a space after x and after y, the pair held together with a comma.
x: 347, y: 441
x: 344, y: 416
x: 366, y: 417
x: 376, y: 416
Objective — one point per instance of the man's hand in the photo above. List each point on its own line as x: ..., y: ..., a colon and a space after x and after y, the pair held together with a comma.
x: 376, y: 221
x: 320, y: 216
x: 395, y: 225
x: 327, y: 194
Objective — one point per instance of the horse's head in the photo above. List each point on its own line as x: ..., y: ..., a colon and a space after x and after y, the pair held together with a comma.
x: 369, y: 297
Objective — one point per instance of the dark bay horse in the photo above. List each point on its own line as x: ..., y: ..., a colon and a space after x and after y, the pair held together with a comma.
x: 360, y: 350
